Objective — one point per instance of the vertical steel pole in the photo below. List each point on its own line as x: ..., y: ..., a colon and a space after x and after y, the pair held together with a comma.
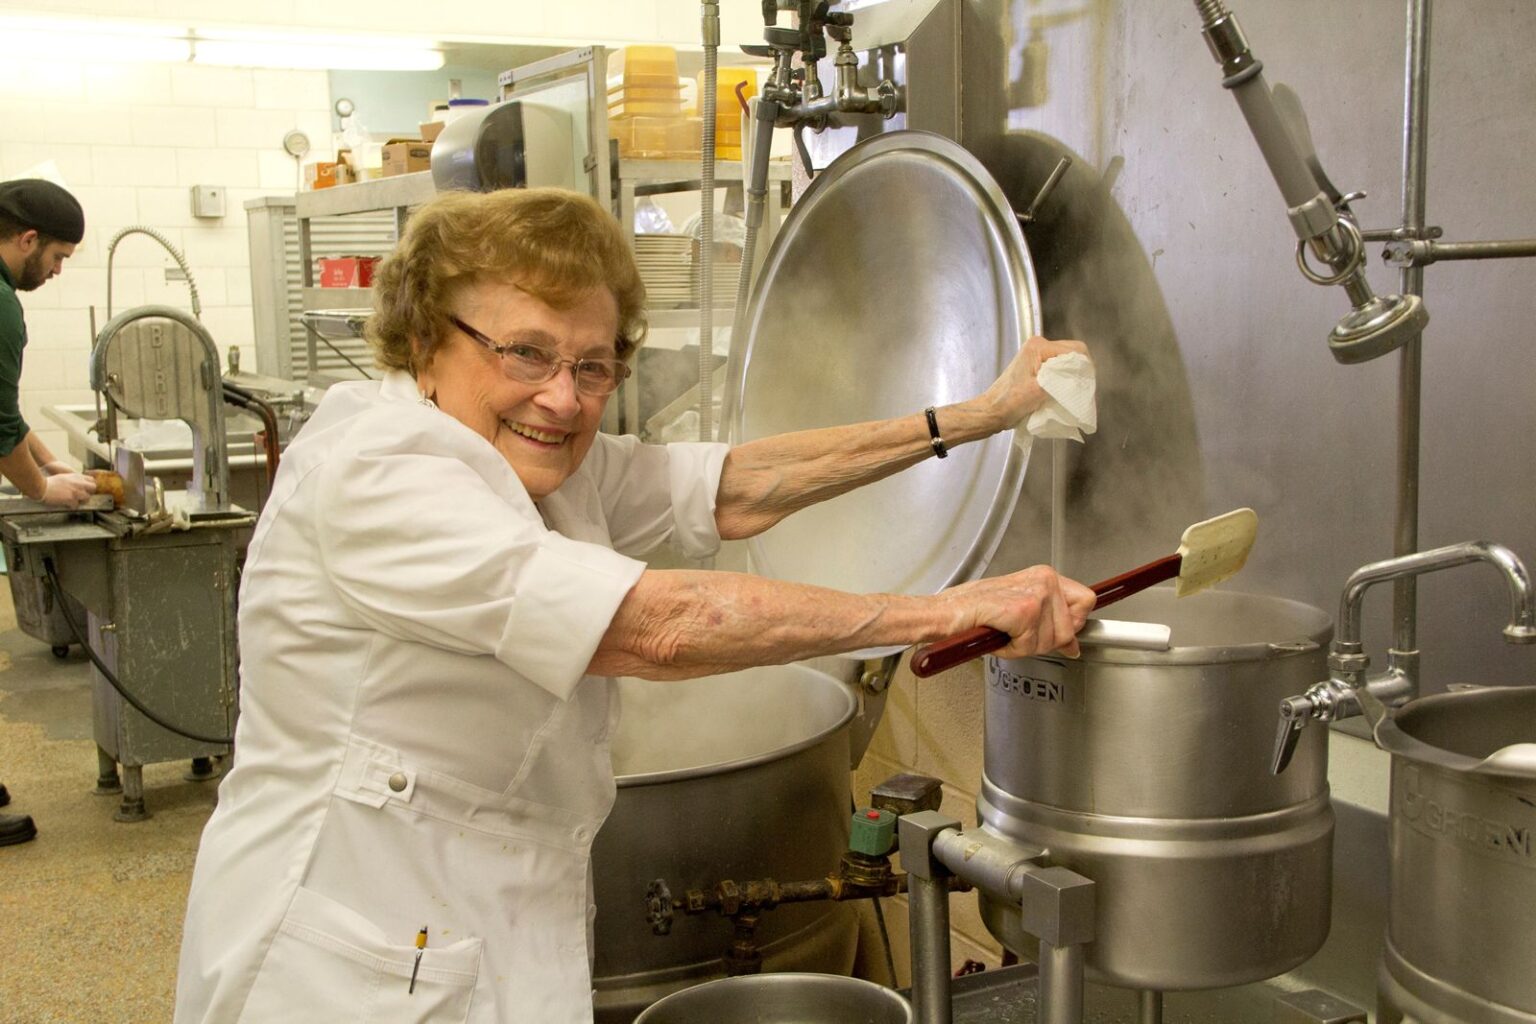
x: 929, y: 907
x: 1410, y: 373
x: 1061, y: 984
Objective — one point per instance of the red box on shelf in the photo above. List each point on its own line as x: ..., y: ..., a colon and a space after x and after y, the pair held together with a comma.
x: 347, y: 271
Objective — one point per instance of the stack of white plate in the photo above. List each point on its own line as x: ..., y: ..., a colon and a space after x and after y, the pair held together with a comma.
x: 666, y: 267
x: 726, y: 273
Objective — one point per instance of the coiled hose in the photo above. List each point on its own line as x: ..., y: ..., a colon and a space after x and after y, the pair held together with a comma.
x: 181, y: 261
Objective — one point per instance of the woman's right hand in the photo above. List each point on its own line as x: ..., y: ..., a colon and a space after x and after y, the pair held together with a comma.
x: 1041, y: 610
x: 1017, y: 392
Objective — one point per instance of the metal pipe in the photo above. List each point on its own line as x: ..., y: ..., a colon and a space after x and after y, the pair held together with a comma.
x: 1410, y: 368
x: 929, y: 907
x: 710, y: 10
x: 1061, y: 984
x: 764, y: 112
x: 993, y: 864
x: 1420, y: 253
x: 1149, y: 1007
x: 1059, y: 457
x: 1522, y: 615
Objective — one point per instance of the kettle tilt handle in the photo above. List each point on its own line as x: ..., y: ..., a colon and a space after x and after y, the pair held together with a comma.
x: 934, y: 658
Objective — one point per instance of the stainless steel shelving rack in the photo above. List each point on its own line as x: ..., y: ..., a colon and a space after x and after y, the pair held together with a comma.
x: 396, y: 195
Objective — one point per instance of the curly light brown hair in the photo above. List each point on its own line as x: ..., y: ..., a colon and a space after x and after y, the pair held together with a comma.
x: 554, y: 244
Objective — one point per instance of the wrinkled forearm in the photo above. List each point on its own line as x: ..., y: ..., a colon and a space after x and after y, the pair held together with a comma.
x: 680, y: 624
x: 764, y: 481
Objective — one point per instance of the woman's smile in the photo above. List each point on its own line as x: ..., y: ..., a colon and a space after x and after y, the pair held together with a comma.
x: 541, y: 438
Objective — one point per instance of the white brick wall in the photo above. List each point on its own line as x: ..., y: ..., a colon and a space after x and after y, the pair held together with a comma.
x: 130, y: 140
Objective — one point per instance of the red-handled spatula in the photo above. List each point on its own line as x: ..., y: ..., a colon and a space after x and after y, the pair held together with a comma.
x: 1209, y: 552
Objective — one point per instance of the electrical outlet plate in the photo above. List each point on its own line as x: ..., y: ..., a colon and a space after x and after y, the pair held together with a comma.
x: 207, y: 200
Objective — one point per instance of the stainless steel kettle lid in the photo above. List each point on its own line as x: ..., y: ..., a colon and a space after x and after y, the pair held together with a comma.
x: 899, y: 280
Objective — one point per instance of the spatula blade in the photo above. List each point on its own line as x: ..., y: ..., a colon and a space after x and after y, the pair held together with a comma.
x: 1214, y: 550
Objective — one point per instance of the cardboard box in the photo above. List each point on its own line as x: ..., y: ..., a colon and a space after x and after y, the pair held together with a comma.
x: 406, y: 156
x: 430, y: 130
x: 347, y: 271
x: 321, y: 174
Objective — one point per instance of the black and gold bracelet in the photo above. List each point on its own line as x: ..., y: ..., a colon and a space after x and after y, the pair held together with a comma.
x: 933, y: 434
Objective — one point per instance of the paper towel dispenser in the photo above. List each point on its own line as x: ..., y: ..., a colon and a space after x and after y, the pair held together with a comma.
x: 514, y: 144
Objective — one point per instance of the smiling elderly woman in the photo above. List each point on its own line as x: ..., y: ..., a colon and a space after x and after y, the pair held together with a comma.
x: 439, y: 587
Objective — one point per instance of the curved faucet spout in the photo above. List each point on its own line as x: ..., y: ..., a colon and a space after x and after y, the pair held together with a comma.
x: 1522, y: 616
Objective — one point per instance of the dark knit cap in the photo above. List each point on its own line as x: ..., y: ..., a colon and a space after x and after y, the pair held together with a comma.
x: 44, y: 207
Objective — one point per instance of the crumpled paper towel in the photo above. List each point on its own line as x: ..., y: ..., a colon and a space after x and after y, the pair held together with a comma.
x: 1069, y: 411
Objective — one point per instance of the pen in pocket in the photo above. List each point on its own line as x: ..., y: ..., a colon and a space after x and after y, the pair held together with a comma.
x: 421, y: 945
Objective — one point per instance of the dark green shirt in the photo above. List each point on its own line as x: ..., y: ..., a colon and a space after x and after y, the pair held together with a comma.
x: 13, y: 338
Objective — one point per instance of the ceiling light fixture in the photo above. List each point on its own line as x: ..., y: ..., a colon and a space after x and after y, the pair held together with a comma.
x: 98, y: 40
x: 254, y: 48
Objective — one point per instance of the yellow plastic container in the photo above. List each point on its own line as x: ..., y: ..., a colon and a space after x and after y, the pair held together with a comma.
x: 656, y: 138
x: 645, y: 108
x: 642, y: 66
x: 655, y: 101
x: 673, y: 92
x: 685, y: 138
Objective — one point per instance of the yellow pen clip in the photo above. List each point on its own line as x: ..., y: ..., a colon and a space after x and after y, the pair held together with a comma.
x: 421, y: 945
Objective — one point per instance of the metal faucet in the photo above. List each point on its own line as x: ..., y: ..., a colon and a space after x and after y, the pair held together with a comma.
x: 1348, y: 691
x: 794, y: 96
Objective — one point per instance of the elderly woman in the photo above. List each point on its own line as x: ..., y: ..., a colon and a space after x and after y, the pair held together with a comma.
x: 442, y: 582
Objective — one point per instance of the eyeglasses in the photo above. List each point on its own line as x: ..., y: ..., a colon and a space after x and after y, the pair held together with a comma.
x: 535, y: 364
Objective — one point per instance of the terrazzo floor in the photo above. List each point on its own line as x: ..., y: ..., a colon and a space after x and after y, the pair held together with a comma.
x: 91, y: 910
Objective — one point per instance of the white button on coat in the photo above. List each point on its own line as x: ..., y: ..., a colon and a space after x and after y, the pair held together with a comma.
x: 418, y: 743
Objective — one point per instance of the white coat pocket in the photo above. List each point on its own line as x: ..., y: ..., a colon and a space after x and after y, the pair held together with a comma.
x: 330, y: 963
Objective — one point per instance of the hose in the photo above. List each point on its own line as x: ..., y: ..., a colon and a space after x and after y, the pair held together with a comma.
x: 197, y: 306
x: 239, y: 397
x: 69, y: 620
x: 711, y: 31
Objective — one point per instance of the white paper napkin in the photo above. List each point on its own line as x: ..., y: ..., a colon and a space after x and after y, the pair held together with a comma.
x: 1069, y: 411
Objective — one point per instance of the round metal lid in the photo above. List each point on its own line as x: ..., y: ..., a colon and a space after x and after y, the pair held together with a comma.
x: 899, y: 280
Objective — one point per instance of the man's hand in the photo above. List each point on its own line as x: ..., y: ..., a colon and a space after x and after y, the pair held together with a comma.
x: 58, y: 467
x: 68, y: 490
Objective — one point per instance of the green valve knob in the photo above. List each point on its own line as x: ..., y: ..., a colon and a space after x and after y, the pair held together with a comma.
x: 873, y: 832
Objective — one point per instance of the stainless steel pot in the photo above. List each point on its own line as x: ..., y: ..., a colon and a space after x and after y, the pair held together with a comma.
x: 1461, y: 921
x: 782, y: 999
x: 1148, y: 772
x: 741, y: 776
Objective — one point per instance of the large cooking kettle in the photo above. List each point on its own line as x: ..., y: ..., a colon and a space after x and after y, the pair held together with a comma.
x: 1462, y: 824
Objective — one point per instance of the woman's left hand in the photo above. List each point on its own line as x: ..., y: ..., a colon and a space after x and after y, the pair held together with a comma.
x: 1016, y: 393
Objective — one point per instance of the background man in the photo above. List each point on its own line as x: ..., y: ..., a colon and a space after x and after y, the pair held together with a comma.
x: 40, y: 225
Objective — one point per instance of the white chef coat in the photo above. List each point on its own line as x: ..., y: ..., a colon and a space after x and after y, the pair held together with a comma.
x: 418, y: 743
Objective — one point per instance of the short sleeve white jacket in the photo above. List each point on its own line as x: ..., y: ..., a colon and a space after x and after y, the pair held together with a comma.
x: 418, y: 742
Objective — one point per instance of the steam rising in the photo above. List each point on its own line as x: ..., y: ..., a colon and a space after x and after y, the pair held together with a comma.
x: 1136, y: 484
